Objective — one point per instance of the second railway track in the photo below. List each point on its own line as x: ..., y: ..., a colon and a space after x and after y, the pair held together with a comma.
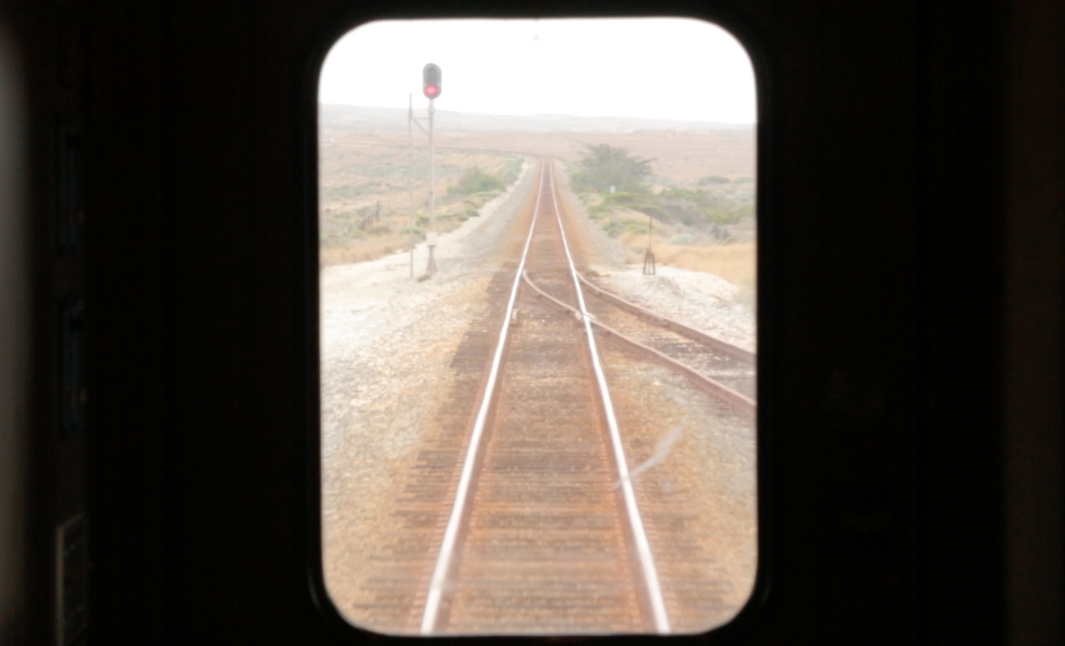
x: 726, y: 370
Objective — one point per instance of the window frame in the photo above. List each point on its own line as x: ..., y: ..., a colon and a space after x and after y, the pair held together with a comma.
x: 769, y: 110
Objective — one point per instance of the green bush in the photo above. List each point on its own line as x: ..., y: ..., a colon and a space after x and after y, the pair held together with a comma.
x: 612, y: 228
x: 696, y: 195
x: 624, y: 198
x: 604, y: 166
x: 722, y: 217
x: 633, y: 226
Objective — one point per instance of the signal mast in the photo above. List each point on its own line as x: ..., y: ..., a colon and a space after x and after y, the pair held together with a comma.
x: 431, y: 88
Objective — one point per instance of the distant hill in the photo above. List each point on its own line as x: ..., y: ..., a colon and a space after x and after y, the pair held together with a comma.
x: 352, y: 119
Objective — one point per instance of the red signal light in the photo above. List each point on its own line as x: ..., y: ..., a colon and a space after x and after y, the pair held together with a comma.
x: 431, y: 81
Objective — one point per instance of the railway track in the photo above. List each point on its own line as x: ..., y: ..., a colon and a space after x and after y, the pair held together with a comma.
x: 520, y: 516
x: 724, y: 370
x: 539, y: 540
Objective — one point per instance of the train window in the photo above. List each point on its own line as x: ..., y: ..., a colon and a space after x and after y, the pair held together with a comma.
x: 537, y: 246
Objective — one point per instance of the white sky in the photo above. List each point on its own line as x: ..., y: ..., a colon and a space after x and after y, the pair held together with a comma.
x: 665, y: 68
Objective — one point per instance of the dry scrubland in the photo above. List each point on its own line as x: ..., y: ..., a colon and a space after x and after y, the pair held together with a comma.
x: 365, y: 205
x: 366, y: 166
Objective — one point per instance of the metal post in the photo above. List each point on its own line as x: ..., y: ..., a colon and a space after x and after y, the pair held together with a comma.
x: 431, y: 237
x: 410, y: 176
x: 649, y: 255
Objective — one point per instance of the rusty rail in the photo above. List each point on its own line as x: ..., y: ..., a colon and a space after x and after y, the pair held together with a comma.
x: 696, y: 335
x: 738, y: 400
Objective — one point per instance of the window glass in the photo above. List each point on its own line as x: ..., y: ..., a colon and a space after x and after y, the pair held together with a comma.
x: 537, y: 288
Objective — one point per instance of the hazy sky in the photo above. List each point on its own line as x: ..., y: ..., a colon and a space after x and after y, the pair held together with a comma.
x: 664, y: 68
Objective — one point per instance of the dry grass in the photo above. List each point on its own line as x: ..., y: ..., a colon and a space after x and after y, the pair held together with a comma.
x: 733, y: 262
x: 363, y: 250
x: 360, y: 179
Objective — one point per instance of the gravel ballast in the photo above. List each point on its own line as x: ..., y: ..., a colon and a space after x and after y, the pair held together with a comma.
x: 387, y: 341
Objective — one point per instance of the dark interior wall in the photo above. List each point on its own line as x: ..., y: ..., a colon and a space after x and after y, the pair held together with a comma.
x: 42, y: 457
x: 15, y: 317
x: 885, y: 222
x: 134, y: 534
x: 1033, y: 376
x: 913, y: 257
x: 962, y: 307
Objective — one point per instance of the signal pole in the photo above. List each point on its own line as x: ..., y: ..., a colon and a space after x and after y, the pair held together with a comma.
x: 431, y: 87
x: 430, y: 238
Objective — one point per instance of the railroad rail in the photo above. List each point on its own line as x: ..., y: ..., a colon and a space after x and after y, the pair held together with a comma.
x: 538, y: 538
x: 737, y: 352
x: 519, y: 514
x: 715, y: 387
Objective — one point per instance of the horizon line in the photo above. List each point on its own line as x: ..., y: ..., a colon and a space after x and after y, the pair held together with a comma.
x: 549, y: 114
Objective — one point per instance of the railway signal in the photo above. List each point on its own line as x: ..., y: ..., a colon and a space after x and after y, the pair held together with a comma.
x: 431, y: 87
x: 431, y: 81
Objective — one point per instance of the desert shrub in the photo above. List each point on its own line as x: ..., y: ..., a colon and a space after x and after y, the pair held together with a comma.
x: 624, y: 198
x: 745, y: 210
x: 633, y: 226
x: 448, y: 170
x: 652, y: 210
x: 344, y: 191
x: 612, y: 228
x: 641, y: 202
x: 475, y: 180
x: 717, y: 216
x: 511, y: 170
x: 604, y: 166
x: 696, y: 195
x: 378, y: 228
x: 714, y: 179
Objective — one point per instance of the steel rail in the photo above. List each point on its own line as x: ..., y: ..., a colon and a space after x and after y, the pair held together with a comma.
x: 643, y: 547
x: 696, y: 335
x: 738, y: 400
x: 447, y: 548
